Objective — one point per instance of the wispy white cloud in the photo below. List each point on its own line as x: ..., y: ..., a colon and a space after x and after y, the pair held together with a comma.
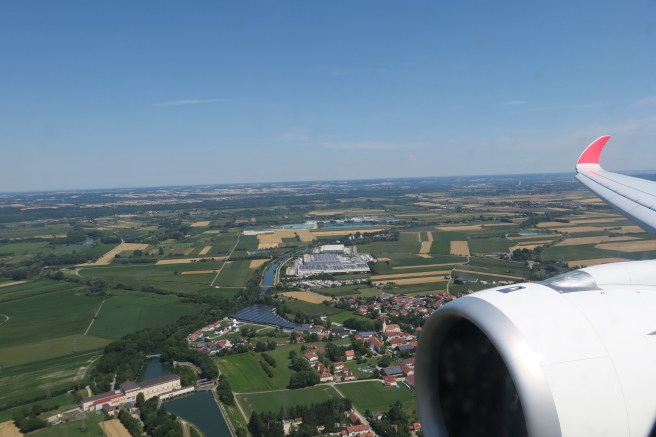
x: 514, y: 103
x: 368, y: 146
x: 645, y: 101
x: 189, y: 102
x: 566, y: 107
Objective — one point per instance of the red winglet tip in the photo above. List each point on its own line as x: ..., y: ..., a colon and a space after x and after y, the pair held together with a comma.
x: 592, y: 153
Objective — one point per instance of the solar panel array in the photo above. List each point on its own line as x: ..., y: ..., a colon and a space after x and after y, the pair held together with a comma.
x: 325, y: 257
x: 262, y: 314
x: 332, y: 267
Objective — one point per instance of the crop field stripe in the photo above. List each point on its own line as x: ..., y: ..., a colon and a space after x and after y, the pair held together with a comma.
x: 409, y: 275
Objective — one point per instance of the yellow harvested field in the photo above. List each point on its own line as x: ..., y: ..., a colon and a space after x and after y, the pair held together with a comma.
x: 114, y: 428
x: 255, y: 263
x: 598, y: 220
x: 621, y: 238
x: 488, y: 274
x: 537, y: 243
x: 629, y: 229
x: 306, y: 296
x: 198, y: 272
x: 185, y: 260
x: 8, y: 429
x: 426, y: 245
x: 205, y: 250
x: 629, y: 246
x: 595, y: 240
x: 471, y: 227
x: 531, y: 237
x: 107, y: 258
x: 408, y: 275
x: 253, y: 219
x: 327, y: 212
x: 213, y: 231
x: 344, y: 232
x: 385, y: 259
x: 305, y: 235
x: 572, y: 229
x: 201, y: 224
x: 527, y: 246
x: 424, y: 280
x: 459, y: 248
x: 594, y: 262
x: 421, y: 266
x: 12, y: 283
x: 552, y: 224
x: 423, y: 255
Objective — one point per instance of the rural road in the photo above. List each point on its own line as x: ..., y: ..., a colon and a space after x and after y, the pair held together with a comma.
x: 7, y: 318
x: 363, y: 419
x: 94, y: 317
x: 226, y: 260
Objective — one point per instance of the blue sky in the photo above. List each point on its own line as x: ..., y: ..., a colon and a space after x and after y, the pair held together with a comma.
x: 128, y: 94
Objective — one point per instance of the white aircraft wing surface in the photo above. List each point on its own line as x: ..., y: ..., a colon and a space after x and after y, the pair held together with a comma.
x: 633, y: 197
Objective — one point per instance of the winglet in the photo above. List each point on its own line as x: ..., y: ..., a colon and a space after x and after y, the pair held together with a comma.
x: 592, y: 153
x: 589, y: 159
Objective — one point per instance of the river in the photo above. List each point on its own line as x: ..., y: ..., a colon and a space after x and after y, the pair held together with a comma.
x: 198, y: 408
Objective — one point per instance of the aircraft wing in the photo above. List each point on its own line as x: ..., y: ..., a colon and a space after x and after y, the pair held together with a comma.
x: 635, y: 198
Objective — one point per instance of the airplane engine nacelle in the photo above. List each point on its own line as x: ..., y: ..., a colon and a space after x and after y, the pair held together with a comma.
x: 571, y: 356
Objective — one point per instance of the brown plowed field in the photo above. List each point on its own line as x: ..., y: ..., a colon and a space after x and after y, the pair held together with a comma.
x: 459, y: 248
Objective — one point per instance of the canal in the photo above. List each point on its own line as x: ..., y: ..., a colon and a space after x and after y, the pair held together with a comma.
x: 199, y: 408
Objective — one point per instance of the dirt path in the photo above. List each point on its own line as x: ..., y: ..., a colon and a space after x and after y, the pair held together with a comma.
x: 185, y: 427
x: 94, y: 317
x: 6, y: 318
x: 426, y: 245
x: 224, y: 262
x: 12, y: 283
x: 363, y: 419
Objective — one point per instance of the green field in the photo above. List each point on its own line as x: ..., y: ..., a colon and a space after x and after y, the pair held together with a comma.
x: 490, y: 244
x: 408, y: 243
x: 235, y: 274
x: 30, y: 380
x: 130, y: 311
x: 374, y: 396
x: 160, y: 276
x: 449, y: 236
x: 48, y: 316
x: 74, y: 428
x: 273, y: 401
x: 60, y: 401
x: 440, y: 247
x: 311, y: 308
x: 34, y: 288
x: 246, y: 374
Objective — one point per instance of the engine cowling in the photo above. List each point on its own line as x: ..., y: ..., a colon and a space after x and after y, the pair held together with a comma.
x: 571, y: 356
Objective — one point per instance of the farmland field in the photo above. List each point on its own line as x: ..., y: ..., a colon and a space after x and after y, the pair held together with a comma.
x: 48, y: 316
x: 26, y: 381
x: 273, y: 401
x: 245, y: 373
x: 130, y: 311
x: 374, y: 396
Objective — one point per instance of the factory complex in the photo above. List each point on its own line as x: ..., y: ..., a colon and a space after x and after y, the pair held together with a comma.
x: 165, y: 387
x: 334, y: 258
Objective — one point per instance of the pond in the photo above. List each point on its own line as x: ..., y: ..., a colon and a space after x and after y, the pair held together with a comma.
x: 199, y: 408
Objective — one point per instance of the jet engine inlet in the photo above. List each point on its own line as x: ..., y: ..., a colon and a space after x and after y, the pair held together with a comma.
x: 476, y: 392
x: 476, y: 376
